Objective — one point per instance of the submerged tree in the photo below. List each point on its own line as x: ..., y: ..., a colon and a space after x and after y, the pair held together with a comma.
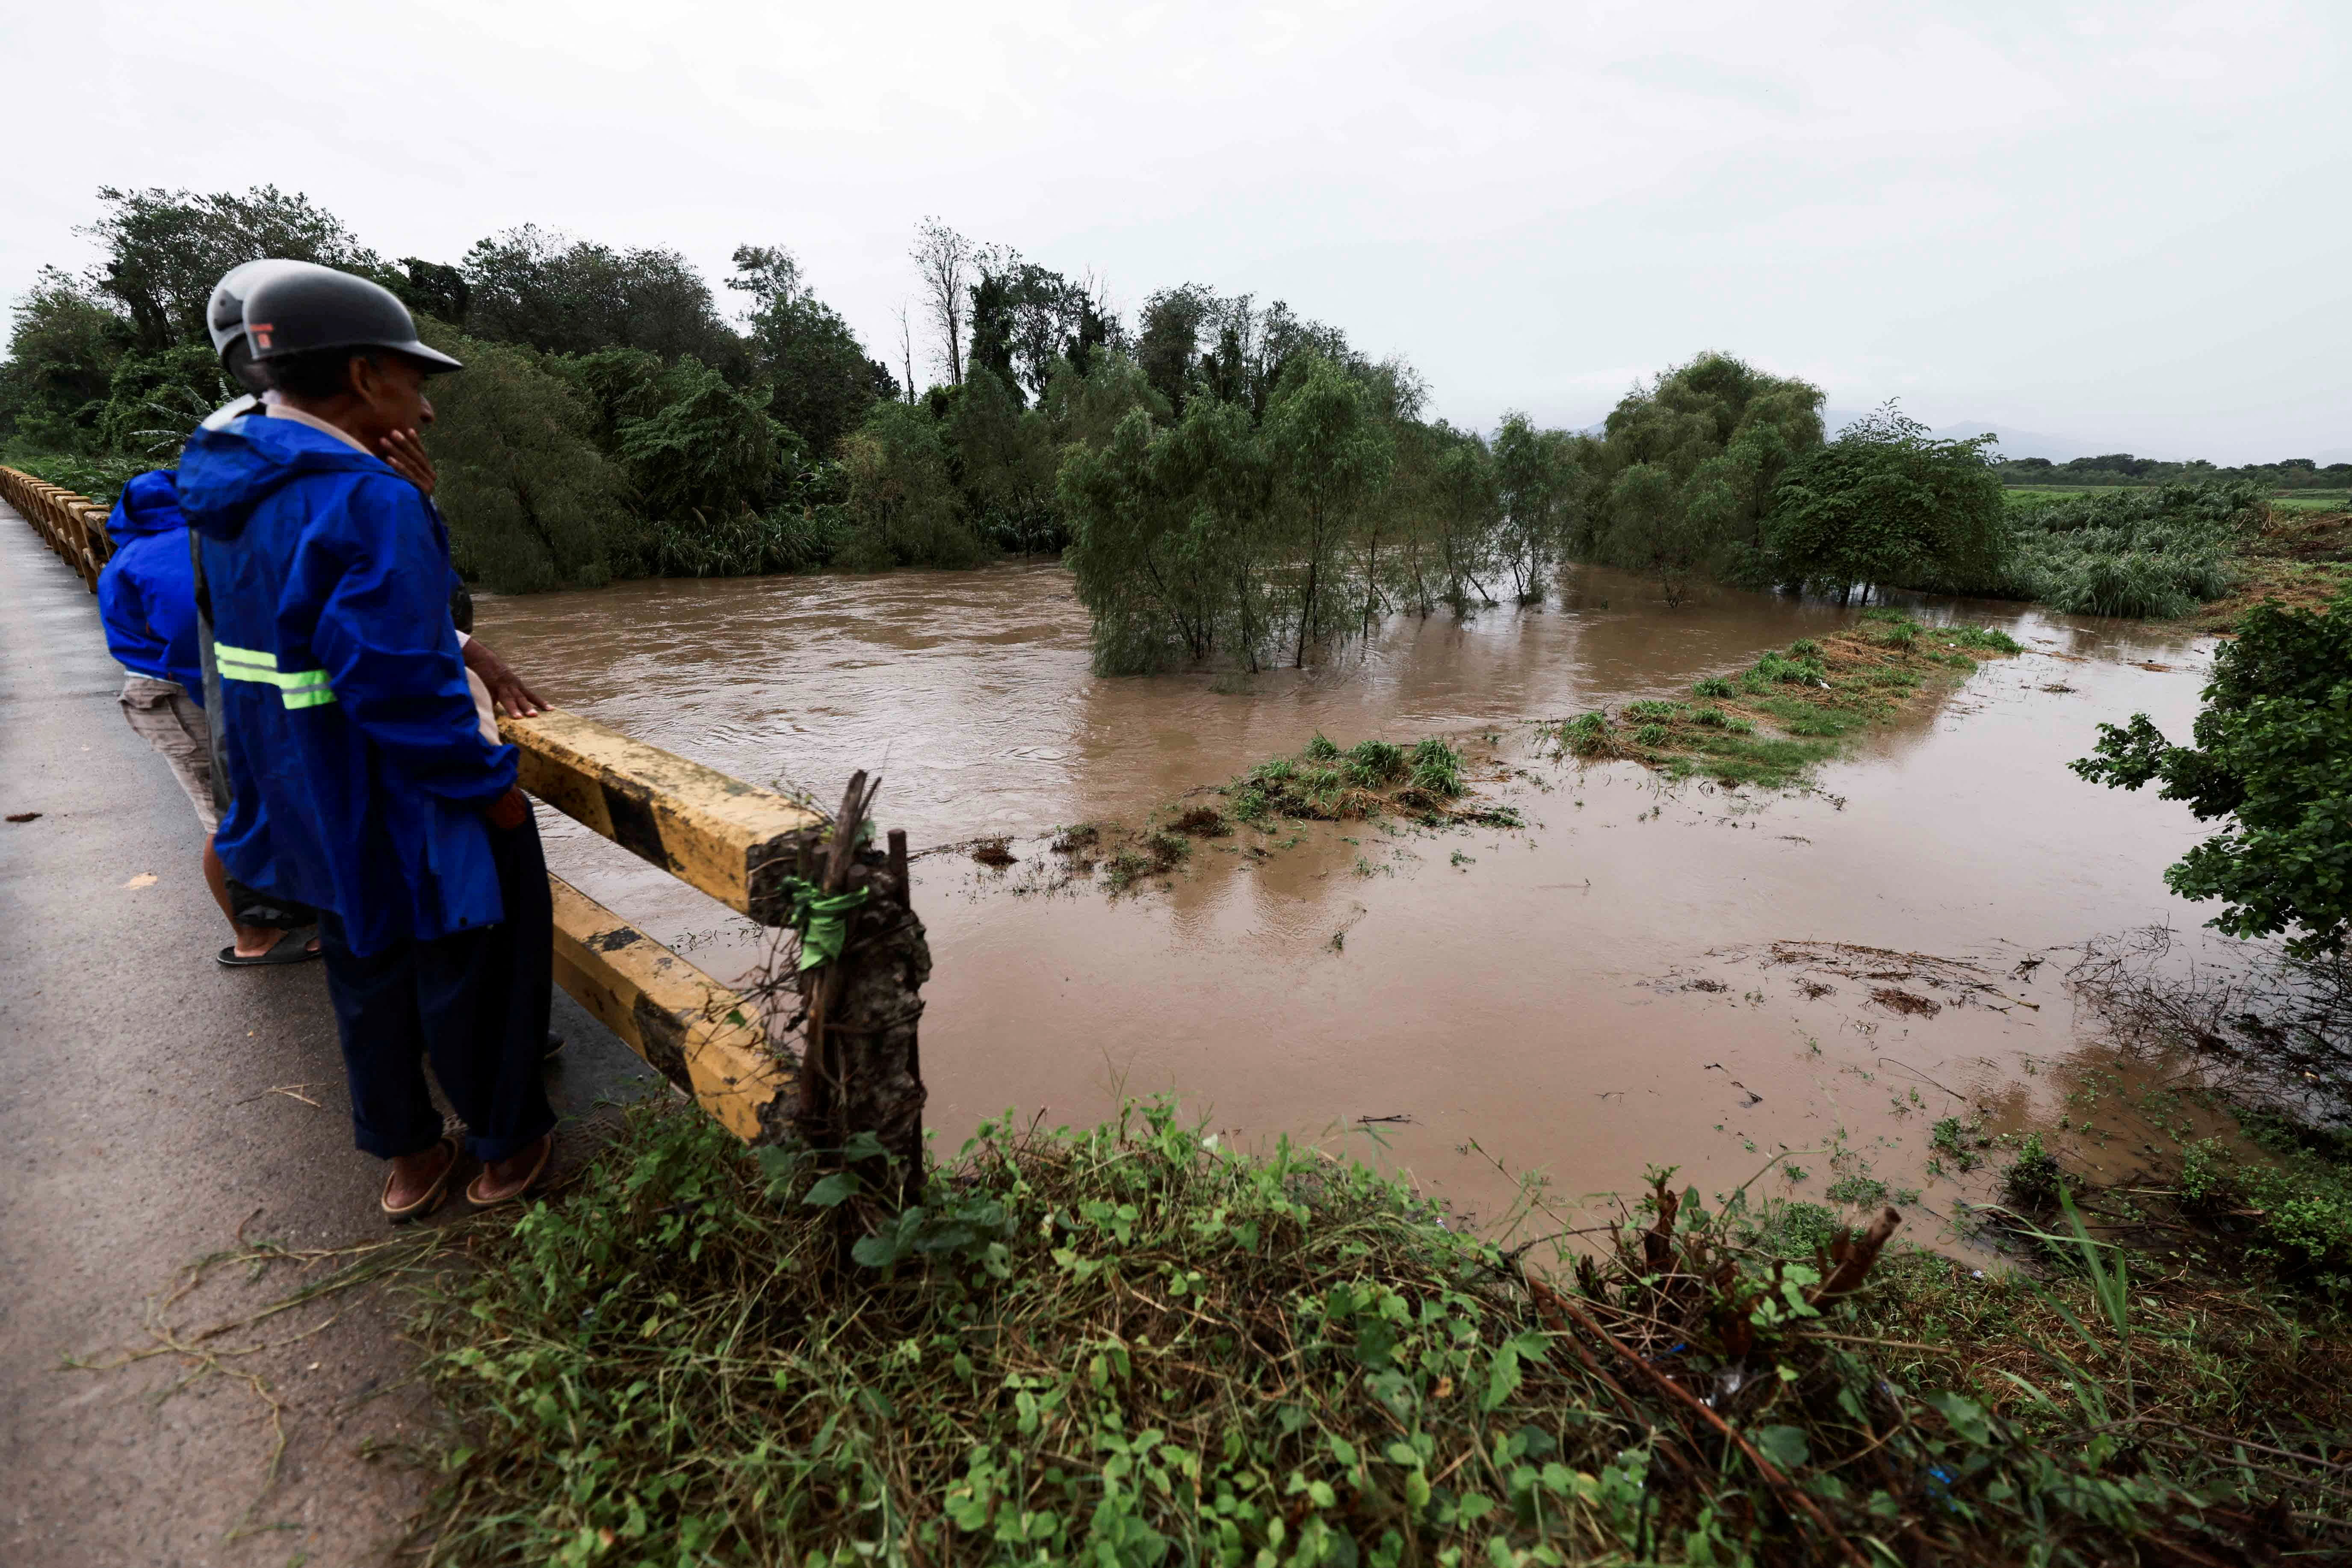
x: 1330, y: 456
x: 900, y: 498
x: 1714, y: 436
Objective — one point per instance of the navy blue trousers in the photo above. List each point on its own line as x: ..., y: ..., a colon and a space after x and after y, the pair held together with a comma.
x: 475, y: 1003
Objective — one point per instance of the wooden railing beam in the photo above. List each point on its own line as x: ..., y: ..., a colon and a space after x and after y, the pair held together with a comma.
x: 705, y: 1039
x: 724, y: 837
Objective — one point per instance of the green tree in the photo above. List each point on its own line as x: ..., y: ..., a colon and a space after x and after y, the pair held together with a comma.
x: 1005, y: 460
x: 64, y: 341
x: 1721, y: 433
x: 1174, y: 542
x: 562, y: 295
x: 166, y: 249
x: 1887, y: 503
x: 530, y: 500
x: 154, y: 400
x: 1652, y: 529
x: 1466, y: 516
x: 1538, y: 485
x: 707, y: 450
x: 822, y: 378
x: 900, y: 496
x: 2272, y: 754
x: 1329, y: 456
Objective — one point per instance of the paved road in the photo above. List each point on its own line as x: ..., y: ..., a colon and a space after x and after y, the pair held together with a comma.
x: 151, y: 1104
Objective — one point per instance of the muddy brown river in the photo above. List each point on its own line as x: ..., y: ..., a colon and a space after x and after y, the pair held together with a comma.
x: 1644, y: 976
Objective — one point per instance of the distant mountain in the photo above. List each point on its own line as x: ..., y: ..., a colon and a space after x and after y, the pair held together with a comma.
x: 2013, y: 443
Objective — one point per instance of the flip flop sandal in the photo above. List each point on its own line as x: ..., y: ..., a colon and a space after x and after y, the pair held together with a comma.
x: 433, y: 1195
x: 299, y: 952
x: 473, y: 1196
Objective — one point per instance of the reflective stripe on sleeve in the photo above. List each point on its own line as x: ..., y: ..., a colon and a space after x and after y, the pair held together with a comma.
x: 295, y: 687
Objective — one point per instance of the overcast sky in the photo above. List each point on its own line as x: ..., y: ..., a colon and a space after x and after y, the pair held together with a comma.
x: 2125, y: 224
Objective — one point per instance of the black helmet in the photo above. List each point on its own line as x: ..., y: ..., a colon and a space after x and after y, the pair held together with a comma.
x: 301, y: 310
x: 225, y: 314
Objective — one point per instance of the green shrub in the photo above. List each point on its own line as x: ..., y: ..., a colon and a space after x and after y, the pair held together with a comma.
x: 1714, y: 686
x: 2272, y: 757
x: 1322, y: 748
x: 1652, y: 708
x: 1652, y: 735
x: 1712, y: 717
x: 1804, y: 647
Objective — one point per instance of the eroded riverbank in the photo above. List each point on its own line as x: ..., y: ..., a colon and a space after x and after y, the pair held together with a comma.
x: 1538, y: 992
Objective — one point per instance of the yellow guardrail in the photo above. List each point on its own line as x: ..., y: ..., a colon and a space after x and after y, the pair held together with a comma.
x: 742, y: 845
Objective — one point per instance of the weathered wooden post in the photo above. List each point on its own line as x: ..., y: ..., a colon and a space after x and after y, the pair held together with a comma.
x: 861, y: 1070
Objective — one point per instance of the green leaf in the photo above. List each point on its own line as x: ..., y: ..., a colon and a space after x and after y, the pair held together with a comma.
x: 834, y: 1190
x: 1784, y: 1446
x: 1966, y: 1416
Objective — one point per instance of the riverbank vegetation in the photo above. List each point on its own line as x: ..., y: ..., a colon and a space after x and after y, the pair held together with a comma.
x: 1427, y: 784
x: 1234, y: 482
x: 2270, y: 751
x: 1133, y: 1345
x: 1769, y: 724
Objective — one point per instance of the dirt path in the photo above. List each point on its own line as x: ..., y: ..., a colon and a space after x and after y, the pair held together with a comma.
x: 151, y: 1104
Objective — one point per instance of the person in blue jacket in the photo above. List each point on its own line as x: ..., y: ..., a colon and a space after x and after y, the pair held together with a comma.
x: 146, y: 600
x: 364, y: 782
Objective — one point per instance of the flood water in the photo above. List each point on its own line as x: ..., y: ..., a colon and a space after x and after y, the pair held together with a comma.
x: 1598, y: 993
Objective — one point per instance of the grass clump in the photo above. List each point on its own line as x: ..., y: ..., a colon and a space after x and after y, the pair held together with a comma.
x: 1371, y: 763
x: 1126, y: 1345
x: 2030, y: 1180
x: 1812, y: 694
x: 1370, y: 779
x: 2156, y: 552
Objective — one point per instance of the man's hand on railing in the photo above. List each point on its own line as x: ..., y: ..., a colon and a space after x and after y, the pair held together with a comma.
x: 507, y: 690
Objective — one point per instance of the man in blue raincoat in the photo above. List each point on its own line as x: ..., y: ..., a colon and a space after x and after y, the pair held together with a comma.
x: 146, y: 601
x: 365, y: 782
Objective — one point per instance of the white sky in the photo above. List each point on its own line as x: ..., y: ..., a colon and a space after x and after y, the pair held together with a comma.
x: 2126, y: 224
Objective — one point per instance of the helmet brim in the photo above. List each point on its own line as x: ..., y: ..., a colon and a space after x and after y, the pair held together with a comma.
x: 433, y: 361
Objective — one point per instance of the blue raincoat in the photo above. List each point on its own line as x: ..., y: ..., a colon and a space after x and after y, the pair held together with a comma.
x: 147, y: 595
x: 359, y: 770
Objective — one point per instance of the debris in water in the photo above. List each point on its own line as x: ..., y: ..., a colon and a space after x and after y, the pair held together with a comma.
x: 24, y: 816
x: 1203, y: 822
x: 1898, y: 1001
x: 1399, y: 1120
x: 994, y: 852
x: 144, y: 880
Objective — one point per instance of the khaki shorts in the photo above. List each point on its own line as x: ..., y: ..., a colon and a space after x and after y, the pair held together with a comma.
x: 168, y: 718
